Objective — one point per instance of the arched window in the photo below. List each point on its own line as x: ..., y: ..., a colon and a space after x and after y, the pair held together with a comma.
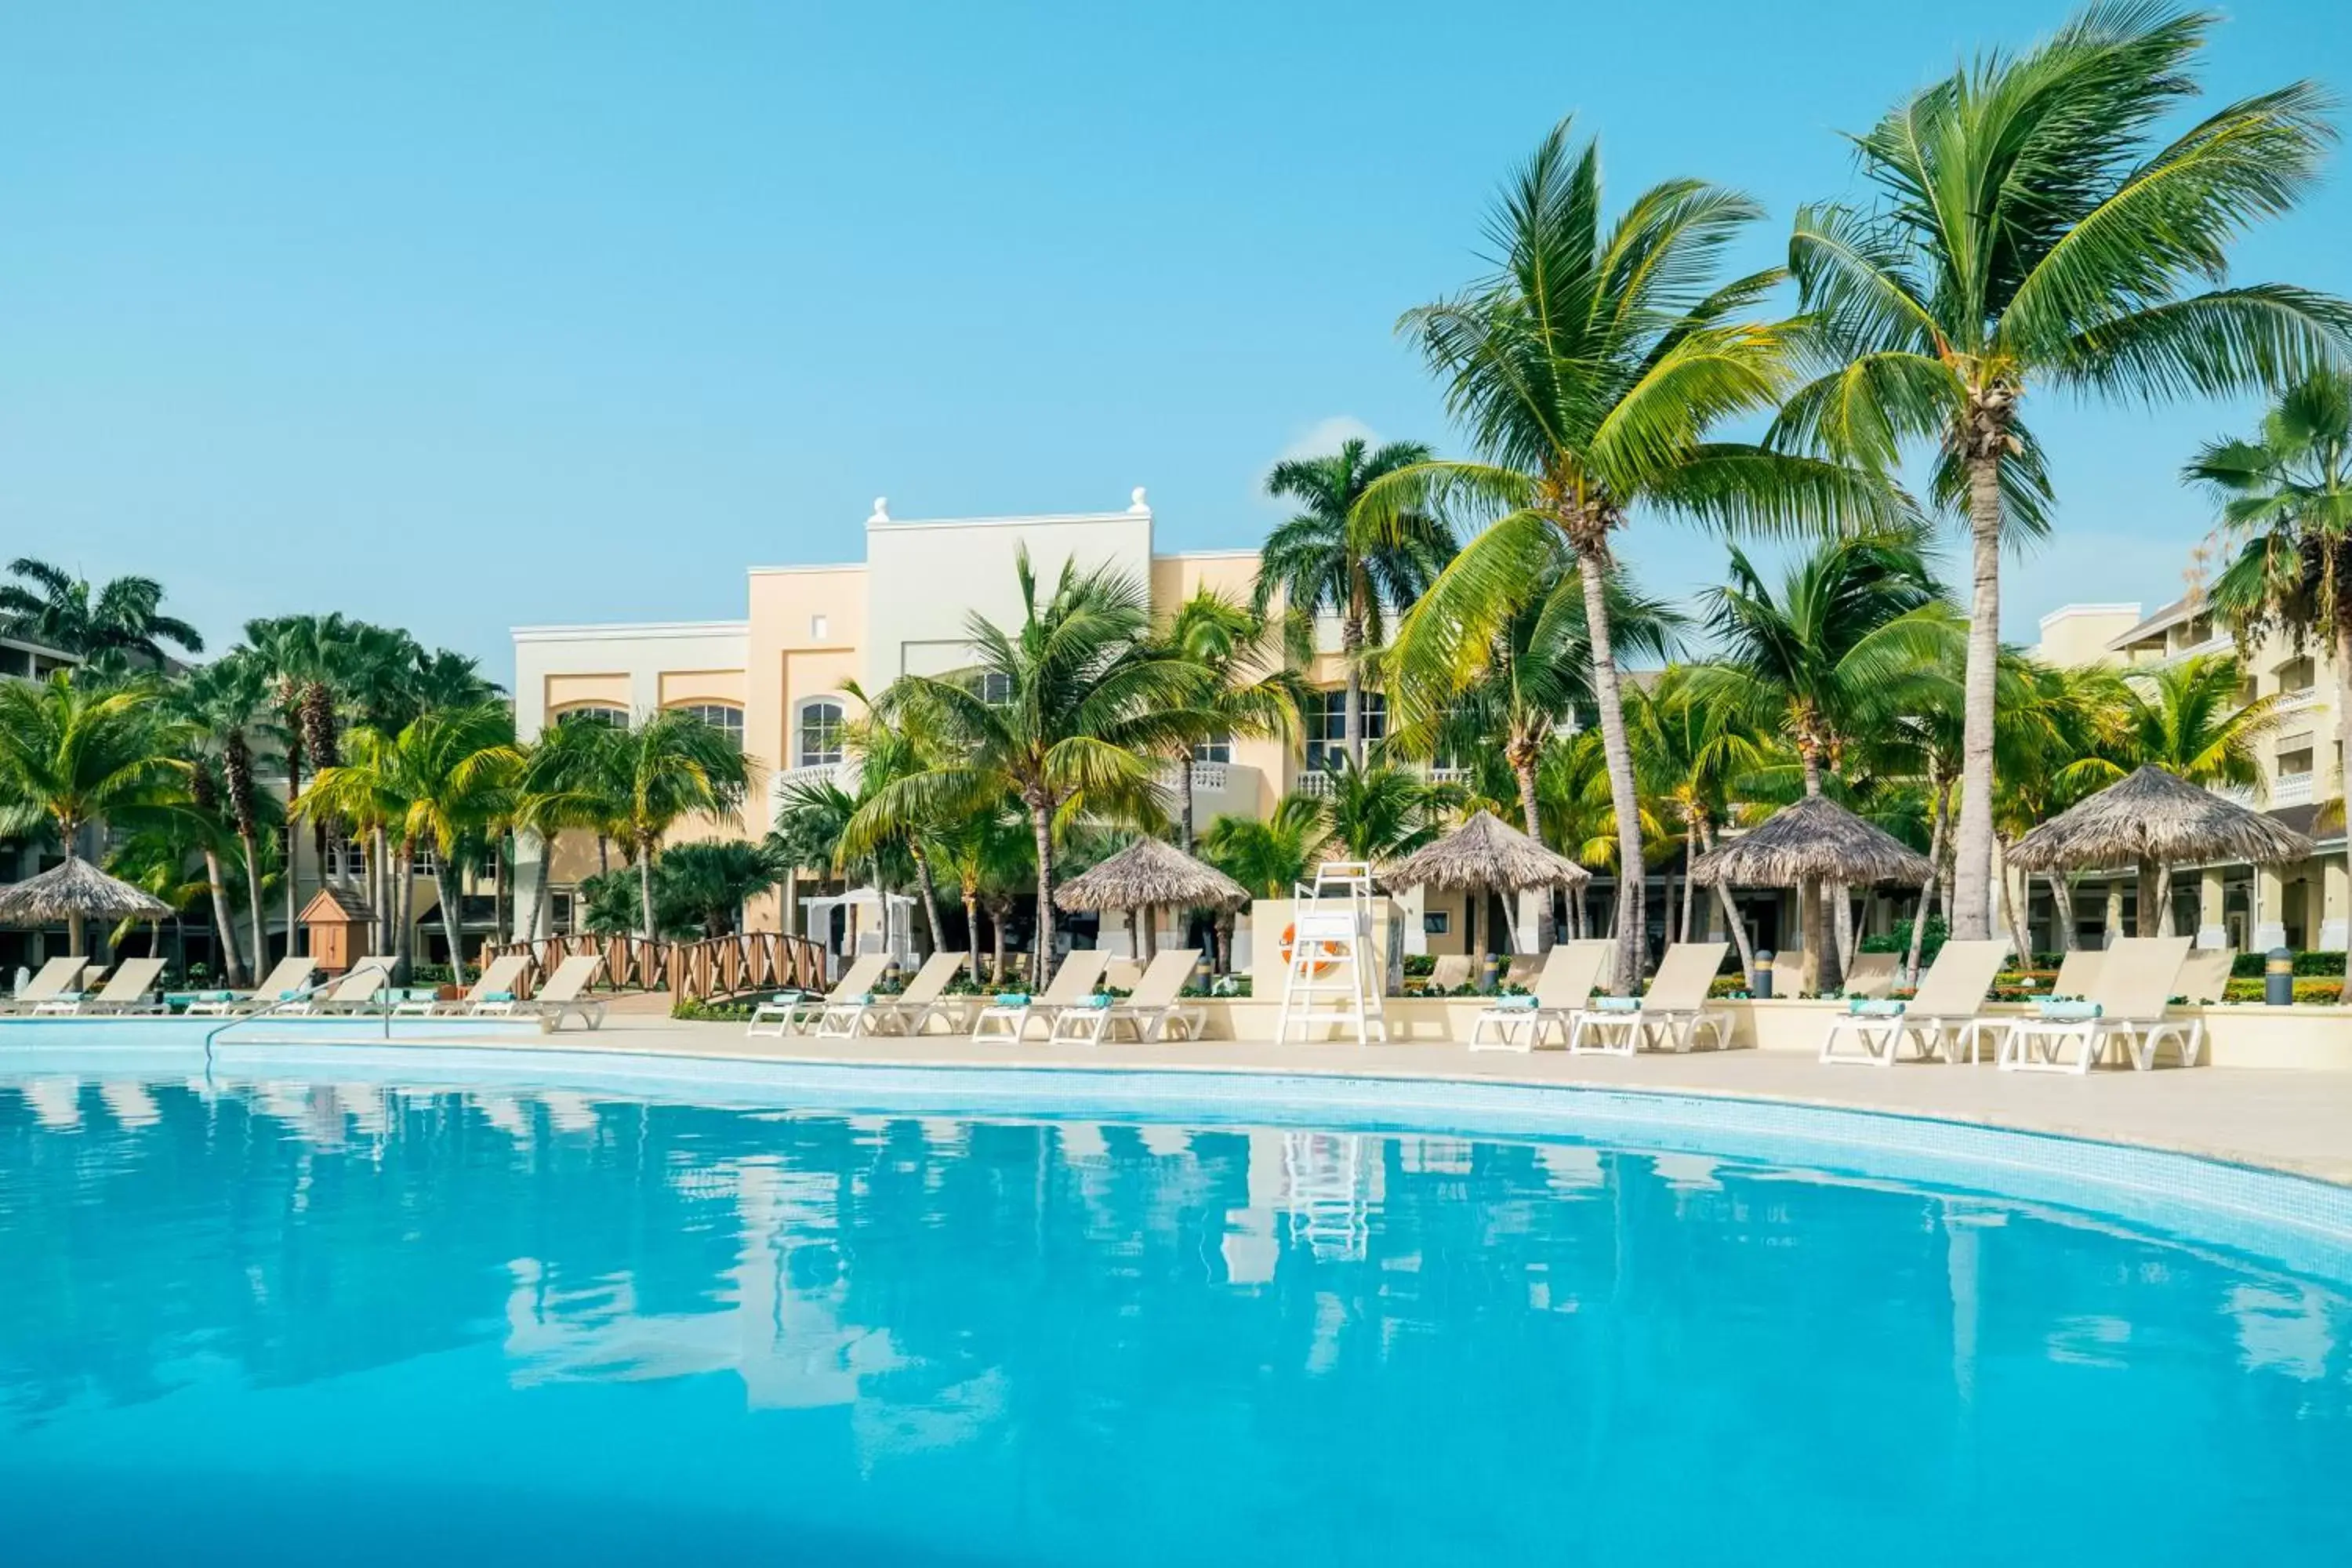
x: 722, y: 716
x: 595, y: 714
x: 819, y: 743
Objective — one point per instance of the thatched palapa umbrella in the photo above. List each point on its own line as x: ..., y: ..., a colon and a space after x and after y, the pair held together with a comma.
x: 1804, y: 845
x: 1150, y: 875
x: 1485, y: 855
x: 2155, y: 820
x: 73, y: 893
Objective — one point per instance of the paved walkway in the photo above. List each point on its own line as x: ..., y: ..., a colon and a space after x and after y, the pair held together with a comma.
x: 2290, y: 1121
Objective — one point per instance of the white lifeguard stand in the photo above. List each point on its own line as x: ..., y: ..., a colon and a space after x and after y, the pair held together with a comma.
x: 1332, y: 974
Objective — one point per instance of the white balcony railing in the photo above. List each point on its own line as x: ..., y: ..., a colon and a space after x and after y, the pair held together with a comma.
x: 2290, y: 789
x: 1314, y: 781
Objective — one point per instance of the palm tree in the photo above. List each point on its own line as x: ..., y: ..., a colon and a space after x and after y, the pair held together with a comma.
x: 1691, y: 749
x: 71, y: 758
x: 710, y: 881
x: 214, y: 833
x: 124, y: 617
x: 988, y: 853
x: 1328, y: 561
x: 673, y: 766
x: 459, y: 765
x: 225, y: 704
x: 1085, y: 701
x: 1856, y: 629
x: 1381, y: 811
x: 1273, y: 857
x: 1590, y: 370
x: 1251, y: 693
x: 2188, y: 718
x: 2032, y: 232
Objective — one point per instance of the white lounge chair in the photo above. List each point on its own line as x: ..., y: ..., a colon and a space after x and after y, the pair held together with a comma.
x: 1154, y: 1006
x: 1871, y: 975
x: 1565, y: 983
x: 1073, y: 983
x: 564, y: 996
x: 493, y: 989
x: 876, y: 1014
x: 2203, y: 981
x: 56, y: 979
x: 790, y: 1011
x: 356, y: 991
x: 2127, y: 995
x: 1450, y: 972
x: 1521, y: 969
x: 284, y: 984
x: 1944, y: 1018
x: 1673, y: 1013
x: 128, y: 992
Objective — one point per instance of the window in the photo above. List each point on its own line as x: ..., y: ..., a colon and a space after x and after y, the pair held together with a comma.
x: 1436, y: 922
x: 819, y: 739
x: 995, y: 689
x: 719, y: 716
x: 820, y: 628
x: 2295, y: 764
x: 1218, y: 750
x: 595, y: 714
x: 1326, y: 718
x: 2296, y: 676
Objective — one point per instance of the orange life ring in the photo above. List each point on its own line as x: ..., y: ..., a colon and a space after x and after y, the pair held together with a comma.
x: 1326, y: 952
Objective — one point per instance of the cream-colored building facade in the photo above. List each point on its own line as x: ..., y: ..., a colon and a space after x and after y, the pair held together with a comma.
x: 787, y: 676
x: 2251, y: 909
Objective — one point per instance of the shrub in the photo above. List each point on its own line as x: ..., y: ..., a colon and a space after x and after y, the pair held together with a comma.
x: 688, y: 1010
x: 2316, y: 963
x: 1899, y: 939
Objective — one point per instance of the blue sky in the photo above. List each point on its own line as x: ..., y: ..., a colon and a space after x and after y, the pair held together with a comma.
x: 461, y: 316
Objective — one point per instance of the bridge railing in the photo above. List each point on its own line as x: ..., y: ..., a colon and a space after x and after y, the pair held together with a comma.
x: 705, y: 971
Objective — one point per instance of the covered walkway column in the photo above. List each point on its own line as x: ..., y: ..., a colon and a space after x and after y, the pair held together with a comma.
x: 2335, y: 900
x: 2212, y: 924
x: 2270, y: 908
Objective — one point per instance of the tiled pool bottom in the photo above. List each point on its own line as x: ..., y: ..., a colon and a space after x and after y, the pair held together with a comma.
x: 2300, y: 1223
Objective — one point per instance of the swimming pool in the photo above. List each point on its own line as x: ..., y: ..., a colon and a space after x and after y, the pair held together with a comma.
x: 327, y: 1316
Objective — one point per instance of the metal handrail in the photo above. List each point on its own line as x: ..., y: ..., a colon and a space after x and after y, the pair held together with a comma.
x: 301, y: 995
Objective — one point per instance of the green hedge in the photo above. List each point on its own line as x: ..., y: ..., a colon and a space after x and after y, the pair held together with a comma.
x: 2313, y: 964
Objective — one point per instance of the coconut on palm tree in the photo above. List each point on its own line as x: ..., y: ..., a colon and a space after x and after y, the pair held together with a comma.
x: 1591, y: 372
x: 2034, y: 232
x: 1329, y: 561
x: 1068, y: 710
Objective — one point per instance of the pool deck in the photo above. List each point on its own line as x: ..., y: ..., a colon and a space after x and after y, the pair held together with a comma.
x: 2291, y: 1121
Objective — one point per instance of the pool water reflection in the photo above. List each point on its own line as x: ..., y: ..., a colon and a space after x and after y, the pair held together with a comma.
x: 306, y: 1322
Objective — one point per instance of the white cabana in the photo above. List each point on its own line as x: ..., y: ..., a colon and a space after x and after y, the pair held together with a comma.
x: 876, y: 922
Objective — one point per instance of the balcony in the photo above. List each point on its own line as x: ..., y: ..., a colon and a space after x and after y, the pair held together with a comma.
x: 2290, y: 789
x: 1218, y: 788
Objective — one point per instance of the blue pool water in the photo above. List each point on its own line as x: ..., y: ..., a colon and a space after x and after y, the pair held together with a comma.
x: 301, y: 1323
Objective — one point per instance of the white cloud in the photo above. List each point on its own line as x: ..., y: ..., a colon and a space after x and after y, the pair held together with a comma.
x: 1325, y: 437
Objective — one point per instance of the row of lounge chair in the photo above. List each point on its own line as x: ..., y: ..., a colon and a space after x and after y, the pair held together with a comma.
x: 287, y: 989
x: 1070, y: 1007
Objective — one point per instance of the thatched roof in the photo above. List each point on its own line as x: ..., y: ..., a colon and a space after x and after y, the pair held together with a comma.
x: 76, y: 888
x: 1150, y: 874
x: 2157, y: 817
x: 1484, y: 852
x: 1814, y: 837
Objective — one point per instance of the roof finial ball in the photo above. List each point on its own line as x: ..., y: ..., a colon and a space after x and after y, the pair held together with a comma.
x: 881, y: 509
x: 1137, y: 502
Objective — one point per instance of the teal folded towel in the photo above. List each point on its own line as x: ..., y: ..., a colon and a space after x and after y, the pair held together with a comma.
x: 2068, y: 1011
x: 1514, y: 1004
x: 497, y: 995
x: 1100, y: 999
x: 288, y: 995
x: 1865, y: 1007
x: 784, y: 998
x: 1013, y: 998
x: 1616, y: 1003
x: 215, y: 997
x: 863, y: 999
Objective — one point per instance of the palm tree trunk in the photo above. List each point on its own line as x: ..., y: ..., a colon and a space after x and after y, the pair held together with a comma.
x: 2164, y: 899
x: 971, y: 935
x: 645, y: 891
x: 1184, y: 800
x: 930, y: 899
x: 1351, y: 648
x: 293, y: 881
x: 1939, y: 810
x: 2062, y: 900
x: 1810, y: 934
x: 403, y: 935
x: 1041, y: 824
x: 253, y: 910
x: 1531, y: 818
x: 499, y: 926
x: 2018, y: 935
x: 379, y: 874
x: 1841, y: 899
x: 996, y: 944
x: 1730, y: 910
x: 1972, y: 848
x: 223, y: 928
x: 543, y: 896
x: 2343, y: 734
x: 448, y: 918
x: 1690, y: 889
x: 1624, y: 798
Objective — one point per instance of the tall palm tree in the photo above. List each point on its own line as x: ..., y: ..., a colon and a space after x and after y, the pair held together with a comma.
x: 71, y: 758
x: 1088, y: 701
x: 1855, y: 628
x: 214, y: 833
x: 225, y: 705
x: 1250, y: 692
x: 124, y: 617
x: 460, y: 766
x: 564, y: 784
x: 1691, y: 750
x: 985, y: 851
x: 1589, y: 371
x: 2188, y: 718
x: 1328, y: 561
x: 2032, y: 232
x: 673, y: 766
